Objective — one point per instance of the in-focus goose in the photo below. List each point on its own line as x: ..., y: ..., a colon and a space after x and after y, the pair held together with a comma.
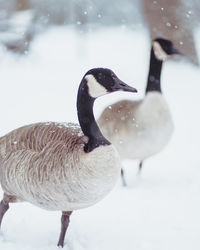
x: 140, y: 129
x: 62, y: 166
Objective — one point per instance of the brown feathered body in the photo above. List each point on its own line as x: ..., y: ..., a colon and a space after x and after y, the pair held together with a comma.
x: 45, y: 164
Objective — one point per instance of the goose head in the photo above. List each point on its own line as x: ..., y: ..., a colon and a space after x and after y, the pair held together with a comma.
x: 164, y: 48
x: 102, y: 81
x: 95, y: 83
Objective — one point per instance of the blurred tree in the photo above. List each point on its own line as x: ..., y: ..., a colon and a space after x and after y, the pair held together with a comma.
x: 22, y: 4
x: 173, y: 20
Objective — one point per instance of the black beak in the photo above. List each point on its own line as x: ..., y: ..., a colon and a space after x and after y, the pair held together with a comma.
x: 121, y: 86
x: 176, y: 52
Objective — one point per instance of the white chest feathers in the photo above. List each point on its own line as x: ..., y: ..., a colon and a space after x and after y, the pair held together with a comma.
x: 94, y: 177
x: 102, y: 169
x: 153, y: 111
x: 154, y: 125
x: 146, y: 128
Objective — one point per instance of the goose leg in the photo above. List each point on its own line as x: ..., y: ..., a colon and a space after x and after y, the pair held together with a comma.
x: 4, y: 204
x: 64, y: 226
x: 3, y: 208
x: 140, y: 167
x: 123, y: 178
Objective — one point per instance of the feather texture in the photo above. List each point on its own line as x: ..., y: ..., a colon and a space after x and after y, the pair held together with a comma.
x: 138, y: 129
x: 45, y: 164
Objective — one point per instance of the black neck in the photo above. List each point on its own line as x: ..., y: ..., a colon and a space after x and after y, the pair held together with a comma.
x: 153, y: 83
x: 86, y: 119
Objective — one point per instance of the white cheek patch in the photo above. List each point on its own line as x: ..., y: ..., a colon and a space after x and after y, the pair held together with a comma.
x: 159, y: 52
x: 95, y: 89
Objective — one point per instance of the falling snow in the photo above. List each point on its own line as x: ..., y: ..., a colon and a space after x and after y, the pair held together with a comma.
x: 160, y: 208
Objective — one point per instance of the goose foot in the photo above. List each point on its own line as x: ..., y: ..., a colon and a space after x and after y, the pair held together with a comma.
x: 123, y: 178
x: 140, y: 167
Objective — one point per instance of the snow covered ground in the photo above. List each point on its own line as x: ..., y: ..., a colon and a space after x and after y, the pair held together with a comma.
x: 157, y: 211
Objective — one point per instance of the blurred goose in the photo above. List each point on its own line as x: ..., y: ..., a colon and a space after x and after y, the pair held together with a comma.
x: 140, y: 129
x: 62, y: 166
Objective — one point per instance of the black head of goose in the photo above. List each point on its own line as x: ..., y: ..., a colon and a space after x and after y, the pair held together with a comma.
x: 62, y: 166
x: 140, y: 129
x: 96, y: 82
